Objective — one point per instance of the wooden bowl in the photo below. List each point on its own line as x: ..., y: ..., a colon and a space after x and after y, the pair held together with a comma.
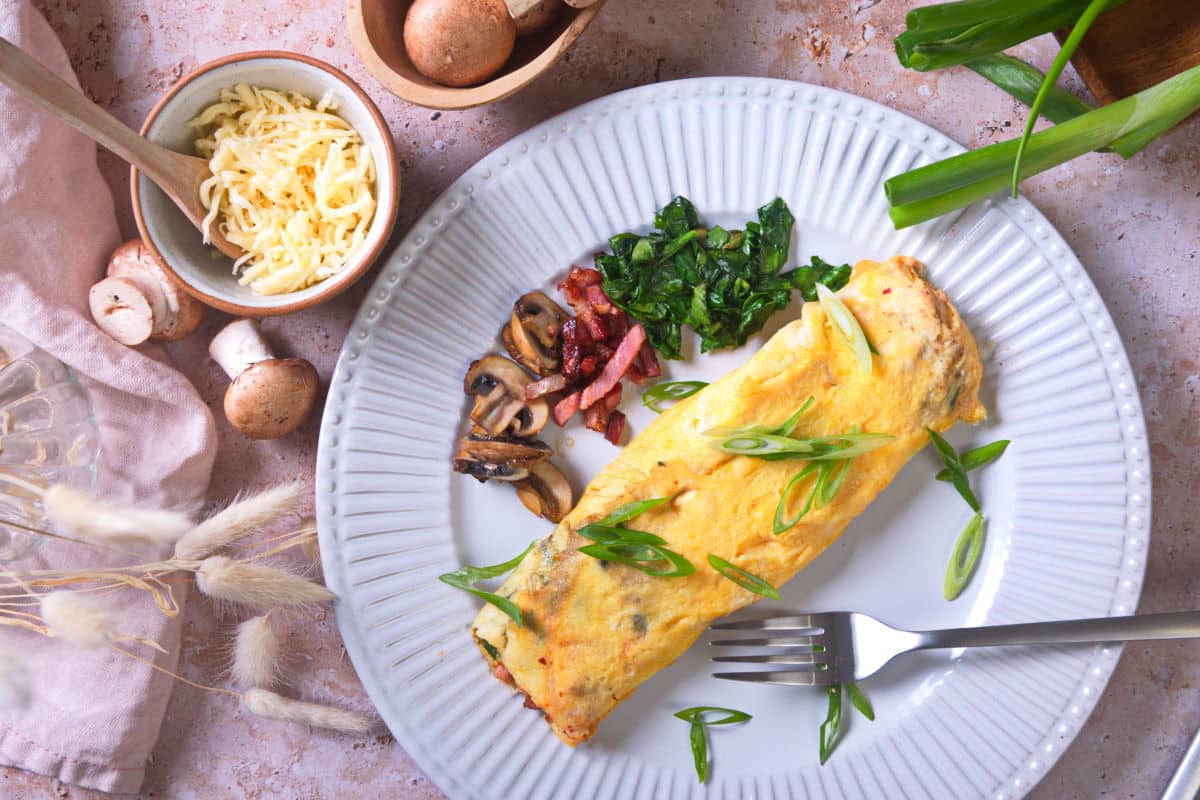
x: 375, y: 30
x: 1136, y: 45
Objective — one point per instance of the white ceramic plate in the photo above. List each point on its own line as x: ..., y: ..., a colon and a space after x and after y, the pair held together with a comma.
x: 1068, y: 505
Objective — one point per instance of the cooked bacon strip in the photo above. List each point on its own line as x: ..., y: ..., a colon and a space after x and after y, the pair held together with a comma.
x: 596, y: 418
x: 598, y: 300
x: 649, y: 362
x: 617, y: 366
x: 547, y: 385
x: 613, y: 398
x: 616, y: 426
x: 565, y: 409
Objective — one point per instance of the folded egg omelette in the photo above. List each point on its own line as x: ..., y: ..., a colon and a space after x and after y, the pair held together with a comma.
x: 594, y: 631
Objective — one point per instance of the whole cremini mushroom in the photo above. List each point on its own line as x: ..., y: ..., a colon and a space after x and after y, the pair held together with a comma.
x: 459, y: 42
x: 139, y: 300
x: 269, y: 397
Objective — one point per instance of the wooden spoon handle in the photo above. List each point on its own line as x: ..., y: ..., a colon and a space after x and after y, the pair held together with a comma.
x: 35, y: 83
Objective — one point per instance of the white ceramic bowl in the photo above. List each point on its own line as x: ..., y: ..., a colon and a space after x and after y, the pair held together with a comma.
x: 177, y: 243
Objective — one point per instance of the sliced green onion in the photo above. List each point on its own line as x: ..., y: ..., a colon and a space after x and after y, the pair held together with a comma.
x: 965, y: 558
x: 654, y: 397
x: 846, y: 324
x: 789, y: 425
x: 978, y: 457
x: 628, y: 511
x: 611, y: 533
x: 1127, y: 125
x: 823, y: 448
x: 651, y: 559
x: 1023, y: 82
x: 957, y: 474
x: 1093, y: 10
x: 697, y: 735
x: 833, y: 480
x: 782, y: 524
x: 859, y: 700
x: 696, y: 714
x: 747, y: 580
x: 699, y: 740
x: 831, y: 728
x: 466, y: 578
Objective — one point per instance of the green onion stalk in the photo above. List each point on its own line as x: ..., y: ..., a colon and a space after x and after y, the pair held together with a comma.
x: 1127, y: 125
x: 949, y: 34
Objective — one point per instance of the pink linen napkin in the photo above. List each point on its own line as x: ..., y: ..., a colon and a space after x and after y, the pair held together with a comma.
x: 95, y: 715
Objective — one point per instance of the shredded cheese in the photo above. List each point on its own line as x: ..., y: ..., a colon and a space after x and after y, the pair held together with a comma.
x: 292, y: 185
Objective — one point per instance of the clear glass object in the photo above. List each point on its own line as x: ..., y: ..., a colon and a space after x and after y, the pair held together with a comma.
x: 47, y: 436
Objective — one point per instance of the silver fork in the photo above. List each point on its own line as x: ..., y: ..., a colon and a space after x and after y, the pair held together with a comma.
x: 840, y: 647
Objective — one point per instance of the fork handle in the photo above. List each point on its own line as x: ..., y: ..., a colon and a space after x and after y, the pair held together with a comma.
x: 1176, y: 625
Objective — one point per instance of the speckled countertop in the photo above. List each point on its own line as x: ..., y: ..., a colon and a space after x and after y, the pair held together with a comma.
x: 1135, y: 225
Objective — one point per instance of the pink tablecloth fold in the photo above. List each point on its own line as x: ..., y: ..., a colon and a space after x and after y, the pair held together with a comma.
x: 95, y: 715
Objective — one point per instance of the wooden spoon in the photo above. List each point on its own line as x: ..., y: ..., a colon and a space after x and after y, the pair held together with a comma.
x: 176, y: 174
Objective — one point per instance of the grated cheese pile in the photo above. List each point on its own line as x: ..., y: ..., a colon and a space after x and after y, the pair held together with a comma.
x: 292, y: 185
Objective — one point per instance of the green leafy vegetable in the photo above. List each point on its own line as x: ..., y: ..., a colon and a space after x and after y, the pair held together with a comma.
x: 1093, y: 10
x: 831, y: 728
x: 747, y: 580
x: 1127, y: 126
x: 846, y: 324
x: 965, y: 558
x: 489, y: 648
x: 948, y: 34
x: 654, y: 397
x: 859, y: 700
x: 699, y: 738
x: 652, y: 559
x: 724, y: 284
x: 1023, y: 82
x: 978, y: 457
x: 957, y: 473
x: 466, y: 578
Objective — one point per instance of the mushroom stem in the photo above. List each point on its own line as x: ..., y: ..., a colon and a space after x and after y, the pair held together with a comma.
x: 239, y: 345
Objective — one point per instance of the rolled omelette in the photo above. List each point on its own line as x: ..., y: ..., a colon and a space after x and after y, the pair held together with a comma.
x: 594, y: 631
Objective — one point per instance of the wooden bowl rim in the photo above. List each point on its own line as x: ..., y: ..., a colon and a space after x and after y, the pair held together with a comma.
x: 360, y: 266
x: 451, y: 98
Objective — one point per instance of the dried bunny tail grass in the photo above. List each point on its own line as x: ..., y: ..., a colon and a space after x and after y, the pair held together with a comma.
x: 76, y: 620
x: 256, y: 585
x: 244, y: 516
x: 255, y: 654
x: 308, y: 541
x: 92, y: 519
x: 14, y: 681
x: 266, y: 704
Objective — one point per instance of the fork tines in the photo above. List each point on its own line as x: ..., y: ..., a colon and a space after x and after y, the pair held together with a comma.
x: 800, y: 624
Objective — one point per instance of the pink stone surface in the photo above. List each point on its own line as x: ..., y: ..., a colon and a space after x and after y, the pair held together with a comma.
x: 1135, y: 225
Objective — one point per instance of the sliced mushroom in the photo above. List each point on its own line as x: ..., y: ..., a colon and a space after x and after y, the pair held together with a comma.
x: 483, y: 471
x: 499, y: 386
x: 546, y: 491
x: 504, y: 450
x: 139, y: 300
x: 533, y: 333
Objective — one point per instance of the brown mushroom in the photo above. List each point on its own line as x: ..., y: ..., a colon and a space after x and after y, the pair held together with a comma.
x: 533, y: 333
x: 537, y: 16
x: 499, y: 387
x: 139, y: 300
x: 269, y: 397
x: 546, y: 491
x: 484, y: 471
x: 459, y: 42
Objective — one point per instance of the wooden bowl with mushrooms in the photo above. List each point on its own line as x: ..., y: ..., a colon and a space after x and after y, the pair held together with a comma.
x: 454, y: 54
